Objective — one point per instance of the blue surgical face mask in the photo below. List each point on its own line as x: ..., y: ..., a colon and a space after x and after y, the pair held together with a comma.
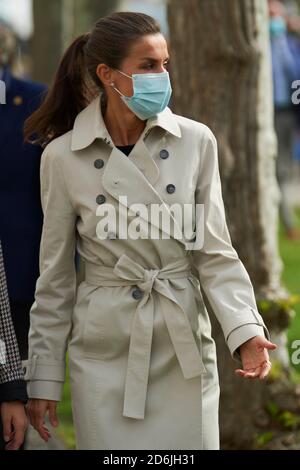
x: 151, y: 93
x: 277, y: 26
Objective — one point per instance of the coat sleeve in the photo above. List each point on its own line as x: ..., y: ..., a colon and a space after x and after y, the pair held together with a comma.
x: 222, y: 274
x: 51, y: 312
x: 10, y: 362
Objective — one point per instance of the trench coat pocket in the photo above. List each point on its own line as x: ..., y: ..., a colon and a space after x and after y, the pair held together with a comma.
x: 93, y: 327
x: 106, y: 326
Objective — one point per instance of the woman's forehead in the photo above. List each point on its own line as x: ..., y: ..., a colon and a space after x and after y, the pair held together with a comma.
x: 150, y: 46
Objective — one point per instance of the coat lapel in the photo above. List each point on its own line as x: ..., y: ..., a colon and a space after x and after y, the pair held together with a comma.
x: 122, y: 177
x: 132, y: 176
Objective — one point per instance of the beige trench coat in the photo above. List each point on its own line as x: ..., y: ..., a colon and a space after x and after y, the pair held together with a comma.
x: 142, y: 360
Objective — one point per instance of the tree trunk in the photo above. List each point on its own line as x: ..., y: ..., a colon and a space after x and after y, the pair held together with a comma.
x: 80, y: 15
x: 56, y: 24
x: 46, y: 43
x: 221, y: 72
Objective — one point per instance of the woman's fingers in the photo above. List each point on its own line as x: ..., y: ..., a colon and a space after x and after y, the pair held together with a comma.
x: 265, y: 369
x: 7, y: 428
x: 19, y: 426
x: 263, y: 342
x: 248, y: 374
x: 261, y: 371
x: 37, y: 411
x: 41, y: 427
x: 44, y: 432
x: 52, y: 414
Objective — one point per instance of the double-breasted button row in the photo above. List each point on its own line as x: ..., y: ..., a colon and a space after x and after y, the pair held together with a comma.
x: 137, y: 294
x: 100, y: 199
x: 164, y: 154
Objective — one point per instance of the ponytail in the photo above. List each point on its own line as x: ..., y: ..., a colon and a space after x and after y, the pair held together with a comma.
x: 67, y: 96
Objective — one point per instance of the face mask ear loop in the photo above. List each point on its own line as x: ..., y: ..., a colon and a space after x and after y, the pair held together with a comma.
x: 112, y: 84
x: 123, y: 73
x: 121, y: 94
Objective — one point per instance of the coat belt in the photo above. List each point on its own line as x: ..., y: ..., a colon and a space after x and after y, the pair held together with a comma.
x: 128, y: 272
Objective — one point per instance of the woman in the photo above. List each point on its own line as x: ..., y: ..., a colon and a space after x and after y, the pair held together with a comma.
x: 13, y: 393
x: 142, y: 360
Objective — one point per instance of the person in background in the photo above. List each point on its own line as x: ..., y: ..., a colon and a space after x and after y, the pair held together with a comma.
x: 21, y: 214
x: 13, y: 394
x: 293, y: 26
x: 284, y: 73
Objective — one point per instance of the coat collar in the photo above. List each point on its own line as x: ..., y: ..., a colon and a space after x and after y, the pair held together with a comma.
x: 89, y: 125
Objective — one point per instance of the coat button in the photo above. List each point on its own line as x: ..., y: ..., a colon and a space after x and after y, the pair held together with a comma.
x: 137, y: 294
x: 98, y: 163
x: 164, y: 153
x: 170, y: 188
x: 24, y: 370
x: 100, y: 199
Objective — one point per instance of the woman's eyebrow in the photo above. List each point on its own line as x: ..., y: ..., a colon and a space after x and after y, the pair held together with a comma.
x: 153, y: 60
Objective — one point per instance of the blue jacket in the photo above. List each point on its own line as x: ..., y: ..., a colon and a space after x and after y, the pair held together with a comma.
x: 21, y: 215
x: 284, y: 71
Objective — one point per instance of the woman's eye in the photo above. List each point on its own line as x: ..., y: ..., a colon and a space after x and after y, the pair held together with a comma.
x: 150, y: 66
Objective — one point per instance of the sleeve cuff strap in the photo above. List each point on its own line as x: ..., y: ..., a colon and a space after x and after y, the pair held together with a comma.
x: 40, y: 369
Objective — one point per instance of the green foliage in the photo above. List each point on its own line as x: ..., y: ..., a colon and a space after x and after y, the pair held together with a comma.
x: 290, y: 254
x: 276, y: 372
x: 260, y: 440
x: 288, y: 419
x: 284, y: 418
x: 273, y: 409
x: 285, y: 304
x: 66, y: 430
x: 295, y: 377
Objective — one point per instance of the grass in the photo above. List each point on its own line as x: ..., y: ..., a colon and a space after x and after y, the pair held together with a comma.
x: 290, y: 253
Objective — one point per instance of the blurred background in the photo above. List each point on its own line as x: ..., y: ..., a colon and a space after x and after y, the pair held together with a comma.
x: 239, y: 60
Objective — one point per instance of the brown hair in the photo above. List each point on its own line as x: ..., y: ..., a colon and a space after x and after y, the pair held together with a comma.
x: 76, y: 82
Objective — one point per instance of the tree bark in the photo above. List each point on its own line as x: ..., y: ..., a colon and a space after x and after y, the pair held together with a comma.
x: 56, y: 24
x: 81, y: 15
x: 221, y: 72
x: 46, y: 43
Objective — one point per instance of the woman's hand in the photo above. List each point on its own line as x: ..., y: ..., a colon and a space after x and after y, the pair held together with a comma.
x: 37, y: 410
x: 255, y: 358
x: 15, y: 423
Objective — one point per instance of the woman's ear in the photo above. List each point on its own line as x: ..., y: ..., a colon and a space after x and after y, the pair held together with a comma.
x: 104, y: 73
